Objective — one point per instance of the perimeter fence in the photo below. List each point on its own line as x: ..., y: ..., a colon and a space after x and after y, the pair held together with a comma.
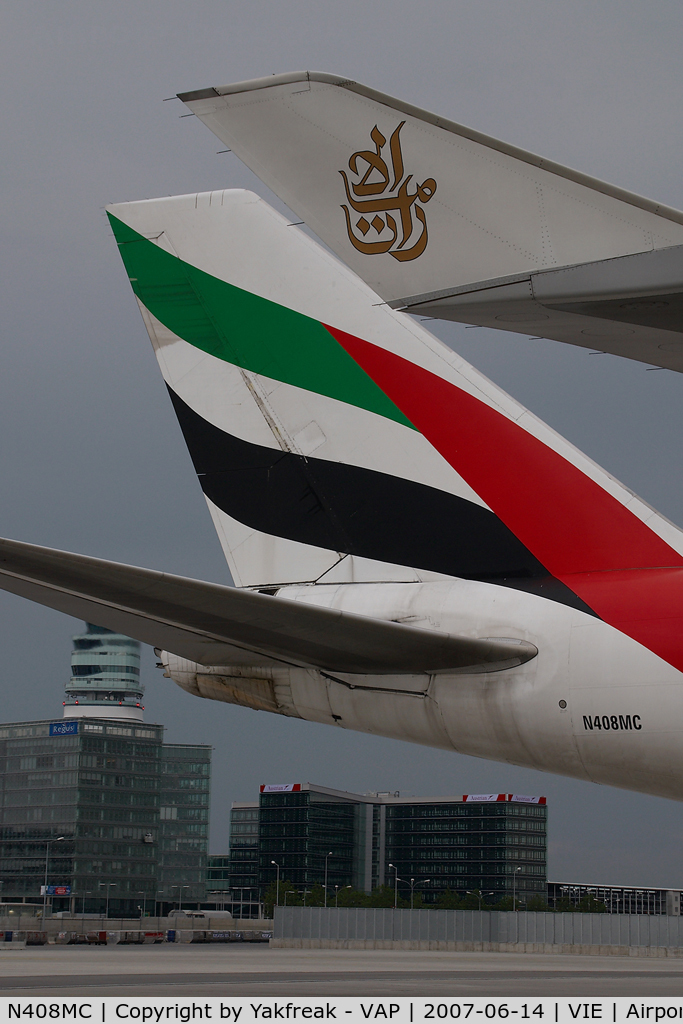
x: 351, y: 927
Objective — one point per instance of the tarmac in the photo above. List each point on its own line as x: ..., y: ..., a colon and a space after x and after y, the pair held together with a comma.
x: 190, y: 971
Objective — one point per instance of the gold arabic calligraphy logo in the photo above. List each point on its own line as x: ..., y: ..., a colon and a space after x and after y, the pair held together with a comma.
x: 374, y: 184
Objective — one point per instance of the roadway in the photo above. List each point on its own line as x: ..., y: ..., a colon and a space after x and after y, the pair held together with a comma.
x: 241, y: 970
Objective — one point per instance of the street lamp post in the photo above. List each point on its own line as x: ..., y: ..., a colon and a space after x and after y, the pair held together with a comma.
x: 88, y: 892
x: 480, y: 895
x: 180, y: 894
x: 289, y: 892
x: 514, y: 887
x: 395, y: 885
x: 220, y: 892
x: 336, y: 893
x: 326, y: 856
x: 514, y: 901
x: 475, y: 892
x: 277, y: 884
x: 109, y: 885
x: 143, y: 893
x: 424, y: 881
x: 47, y: 857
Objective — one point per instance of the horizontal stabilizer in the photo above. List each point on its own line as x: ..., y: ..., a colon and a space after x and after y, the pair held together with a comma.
x: 215, y: 625
x: 630, y: 306
x: 442, y: 220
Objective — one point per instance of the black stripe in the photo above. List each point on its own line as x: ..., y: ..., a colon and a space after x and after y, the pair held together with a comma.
x: 360, y: 511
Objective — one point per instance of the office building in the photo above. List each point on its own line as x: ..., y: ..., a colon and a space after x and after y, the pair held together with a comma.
x: 88, y: 790
x: 133, y: 814
x: 97, y: 803
x: 184, y: 791
x: 218, y: 877
x: 233, y: 879
x: 467, y: 844
x: 492, y: 843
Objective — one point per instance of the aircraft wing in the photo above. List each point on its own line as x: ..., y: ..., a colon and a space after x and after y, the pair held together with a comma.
x: 216, y: 625
x: 443, y: 221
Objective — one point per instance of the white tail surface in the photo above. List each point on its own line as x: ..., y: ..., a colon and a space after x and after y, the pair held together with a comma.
x: 488, y: 209
x: 440, y: 219
x: 336, y: 440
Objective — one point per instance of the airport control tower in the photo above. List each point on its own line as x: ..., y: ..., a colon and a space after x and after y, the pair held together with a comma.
x: 105, y: 676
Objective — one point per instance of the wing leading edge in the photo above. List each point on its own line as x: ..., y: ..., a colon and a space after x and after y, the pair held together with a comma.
x: 215, y: 625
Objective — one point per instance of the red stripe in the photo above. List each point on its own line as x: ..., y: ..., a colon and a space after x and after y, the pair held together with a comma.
x: 569, y: 522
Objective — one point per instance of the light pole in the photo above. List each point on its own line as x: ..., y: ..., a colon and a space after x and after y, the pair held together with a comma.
x: 47, y: 857
x: 514, y: 887
x: 479, y: 894
x: 88, y: 892
x: 306, y: 893
x: 289, y: 892
x: 475, y: 892
x: 277, y: 884
x: 395, y: 885
x: 109, y: 885
x: 326, y: 856
x: 144, y: 901
x: 336, y: 893
x: 220, y: 904
x: 424, y: 881
x: 180, y: 894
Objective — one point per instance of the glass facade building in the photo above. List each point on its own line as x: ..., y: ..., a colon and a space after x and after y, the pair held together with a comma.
x: 490, y: 843
x: 301, y: 830
x: 218, y: 876
x: 466, y: 846
x: 243, y: 867
x: 184, y: 791
x: 99, y: 784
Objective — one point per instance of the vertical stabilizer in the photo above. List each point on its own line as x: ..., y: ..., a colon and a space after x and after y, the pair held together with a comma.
x: 336, y: 439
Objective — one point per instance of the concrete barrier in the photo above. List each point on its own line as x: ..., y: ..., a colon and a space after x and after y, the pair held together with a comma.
x: 69, y: 930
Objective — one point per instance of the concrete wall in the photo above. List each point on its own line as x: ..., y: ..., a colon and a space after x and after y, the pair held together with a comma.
x: 351, y: 928
x: 77, y: 923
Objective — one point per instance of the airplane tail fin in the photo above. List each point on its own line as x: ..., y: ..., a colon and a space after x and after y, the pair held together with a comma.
x: 309, y: 468
x: 443, y: 220
x: 336, y: 440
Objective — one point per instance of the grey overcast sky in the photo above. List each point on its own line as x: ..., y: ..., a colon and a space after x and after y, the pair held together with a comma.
x: 91, y: 457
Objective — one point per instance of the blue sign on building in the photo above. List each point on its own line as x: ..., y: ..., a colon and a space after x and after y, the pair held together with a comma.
x: 63, y: 728
x: 55, y: 890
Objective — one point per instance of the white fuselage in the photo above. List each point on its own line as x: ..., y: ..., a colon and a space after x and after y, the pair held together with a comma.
x: 593, y: 704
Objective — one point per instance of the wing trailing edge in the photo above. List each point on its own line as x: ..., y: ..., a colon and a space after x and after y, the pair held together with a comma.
x: 215, y: 625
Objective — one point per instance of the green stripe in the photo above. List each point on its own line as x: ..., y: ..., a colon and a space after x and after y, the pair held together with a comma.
x: 245, y: 329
